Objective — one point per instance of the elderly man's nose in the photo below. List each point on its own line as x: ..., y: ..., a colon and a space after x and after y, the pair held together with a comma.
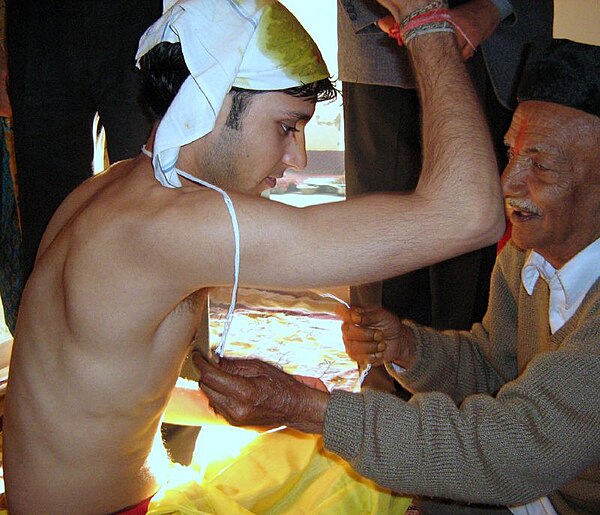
x: 513, y: 177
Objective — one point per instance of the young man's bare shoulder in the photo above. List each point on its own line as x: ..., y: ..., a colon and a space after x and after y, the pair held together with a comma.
x: 75, y: 202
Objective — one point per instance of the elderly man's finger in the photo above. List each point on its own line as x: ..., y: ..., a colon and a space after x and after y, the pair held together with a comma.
x: 367, y: 315
x: 361, y: 334
x: 222, y: 377
x: 365, y: 352
x: 357, y: 316
x: 216, y: 400
x: 202, y: 364
x: 342, y: 312
x: 248, y: 367
x: 234, y: 366
x: 197, y: 358
x: 363, y: 348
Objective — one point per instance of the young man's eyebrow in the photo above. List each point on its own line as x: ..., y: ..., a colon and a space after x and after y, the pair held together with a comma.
x: 300, y: 116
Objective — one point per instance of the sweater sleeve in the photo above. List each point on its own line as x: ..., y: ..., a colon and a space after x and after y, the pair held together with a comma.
x: 541, y: 430
x: 461, y: 363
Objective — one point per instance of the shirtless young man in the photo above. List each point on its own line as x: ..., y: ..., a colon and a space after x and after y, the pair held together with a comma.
x: 111, y: 308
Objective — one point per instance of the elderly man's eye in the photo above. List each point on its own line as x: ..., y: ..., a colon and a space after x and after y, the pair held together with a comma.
x: 539, y: 166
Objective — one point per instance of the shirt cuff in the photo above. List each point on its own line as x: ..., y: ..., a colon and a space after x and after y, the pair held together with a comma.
x: 504, y: 8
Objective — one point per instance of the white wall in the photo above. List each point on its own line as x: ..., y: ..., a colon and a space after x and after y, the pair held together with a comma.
x: 578, y: 20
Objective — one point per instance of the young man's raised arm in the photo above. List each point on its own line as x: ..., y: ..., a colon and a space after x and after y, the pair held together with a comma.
x: 457, y: 205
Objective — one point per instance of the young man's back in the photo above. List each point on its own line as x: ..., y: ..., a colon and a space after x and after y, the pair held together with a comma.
x: 98, y: 350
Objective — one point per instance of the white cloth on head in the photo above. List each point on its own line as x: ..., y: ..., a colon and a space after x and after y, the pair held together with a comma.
x: 251, y: 44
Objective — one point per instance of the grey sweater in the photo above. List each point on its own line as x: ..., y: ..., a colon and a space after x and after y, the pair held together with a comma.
x: 503, y: 414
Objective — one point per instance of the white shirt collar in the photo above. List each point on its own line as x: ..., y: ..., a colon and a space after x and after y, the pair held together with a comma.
x: 568, y: 285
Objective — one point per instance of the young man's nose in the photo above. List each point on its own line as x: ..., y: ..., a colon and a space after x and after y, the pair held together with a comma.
x: 295, y: 155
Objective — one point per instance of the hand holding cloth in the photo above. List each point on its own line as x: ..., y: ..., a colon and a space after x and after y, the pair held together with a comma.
x: 252, y: 392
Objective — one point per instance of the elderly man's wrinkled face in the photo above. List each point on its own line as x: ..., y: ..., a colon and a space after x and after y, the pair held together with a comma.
x: 552, y: 181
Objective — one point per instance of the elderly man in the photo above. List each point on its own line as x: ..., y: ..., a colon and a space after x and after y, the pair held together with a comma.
x: 509, y: 412
x: 112, y: 306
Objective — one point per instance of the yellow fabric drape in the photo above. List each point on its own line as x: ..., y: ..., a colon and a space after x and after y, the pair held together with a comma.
x: 281, y: 473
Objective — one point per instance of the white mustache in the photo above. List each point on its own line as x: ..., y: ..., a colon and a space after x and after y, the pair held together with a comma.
x: 523, y: 205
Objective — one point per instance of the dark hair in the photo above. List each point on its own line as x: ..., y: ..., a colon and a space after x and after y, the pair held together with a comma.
x: 318, y: 91
x: 164, y: 71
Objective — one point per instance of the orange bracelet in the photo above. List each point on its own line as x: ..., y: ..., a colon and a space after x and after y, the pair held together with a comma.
x: 434, y: 20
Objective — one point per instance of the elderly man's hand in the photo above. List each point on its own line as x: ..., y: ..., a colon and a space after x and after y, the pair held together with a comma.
x: 250, y: 392
x: 373, y: 335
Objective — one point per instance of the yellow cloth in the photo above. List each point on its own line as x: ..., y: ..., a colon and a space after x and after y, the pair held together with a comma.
x: 281, y: 473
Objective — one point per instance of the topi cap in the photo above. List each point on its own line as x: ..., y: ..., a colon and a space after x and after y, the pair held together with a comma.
x: 564, y: 72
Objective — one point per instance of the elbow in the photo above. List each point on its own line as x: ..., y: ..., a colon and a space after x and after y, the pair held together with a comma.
x: 487, y: 226
x: 494, y: 229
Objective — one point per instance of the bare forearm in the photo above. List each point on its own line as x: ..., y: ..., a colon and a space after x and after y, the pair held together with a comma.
x: 459, y: 166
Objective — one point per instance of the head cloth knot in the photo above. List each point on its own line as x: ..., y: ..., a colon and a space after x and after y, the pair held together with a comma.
x: 250, y: 44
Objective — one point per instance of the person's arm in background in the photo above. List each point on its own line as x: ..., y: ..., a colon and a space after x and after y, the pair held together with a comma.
x: 475, y: 22
x: 362, y: 14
